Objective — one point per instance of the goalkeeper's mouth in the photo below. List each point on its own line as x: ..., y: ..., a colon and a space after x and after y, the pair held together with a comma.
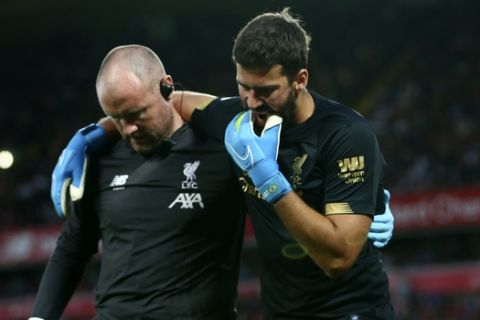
x: 259, y: 119
x: 260, y: 115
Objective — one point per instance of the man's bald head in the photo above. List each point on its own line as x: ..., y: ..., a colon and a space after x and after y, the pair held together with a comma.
x: 136, y: 62
x: 128, y: 92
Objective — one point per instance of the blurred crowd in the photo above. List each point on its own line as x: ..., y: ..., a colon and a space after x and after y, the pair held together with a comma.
x: 427, y: 117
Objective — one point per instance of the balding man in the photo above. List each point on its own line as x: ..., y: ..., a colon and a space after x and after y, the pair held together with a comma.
x: 164, y: 202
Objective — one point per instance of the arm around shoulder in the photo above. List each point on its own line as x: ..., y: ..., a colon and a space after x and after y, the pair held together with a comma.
x: 185, y: 102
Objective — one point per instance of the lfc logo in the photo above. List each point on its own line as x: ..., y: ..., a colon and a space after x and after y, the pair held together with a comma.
x: 189, y: 171
x: 188, y: 200
x: 296, y: 177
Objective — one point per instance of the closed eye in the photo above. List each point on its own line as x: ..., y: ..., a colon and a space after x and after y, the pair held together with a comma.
x: 264, y: 92
x: 260, y: 91
x: 130, y: 116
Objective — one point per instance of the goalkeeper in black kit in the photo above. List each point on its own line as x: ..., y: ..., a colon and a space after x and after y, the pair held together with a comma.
x: 312, y: 172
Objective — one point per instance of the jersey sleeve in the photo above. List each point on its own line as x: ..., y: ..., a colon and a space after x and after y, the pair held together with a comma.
x: 77, y: 243
x: 354, y: 171
x: 213, y: 120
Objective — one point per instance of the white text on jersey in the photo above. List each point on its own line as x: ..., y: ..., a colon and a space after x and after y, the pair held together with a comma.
x: 118, y: 181
x: 187, y: 200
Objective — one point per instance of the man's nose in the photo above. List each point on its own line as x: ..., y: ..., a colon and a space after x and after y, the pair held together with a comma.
x: 252, y: 101
x: 128, y: 128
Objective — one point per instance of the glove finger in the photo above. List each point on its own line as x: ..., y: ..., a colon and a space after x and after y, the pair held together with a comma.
x: 237, y: 128
x: 272, y: 122
x: 381, y: 218
x: 77, y: 184
x: 379, y: 244
x: 76, y: 193
x: 379, y: 227
x: 64, y: 197
x: 246, y: 126
x: 233, y: 143
x: 373, y: 236
x: 386, y: 194
x: 231, y: 132
x: 56, y: 196
x: 385, y: 218
x: 77, y: 168
x: 57, y: 185
x: 269, y: 140
x: 378, y: 241
x: 240, y: 120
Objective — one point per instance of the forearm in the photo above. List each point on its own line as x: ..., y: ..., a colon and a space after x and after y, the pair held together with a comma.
x: 75, y: 247
x: 60, y: 279
x: 333, y: 242
x: 185, y: 102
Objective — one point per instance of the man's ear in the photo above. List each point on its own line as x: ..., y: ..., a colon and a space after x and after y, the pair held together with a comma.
x: 166, y: 87
x: 301, y: 80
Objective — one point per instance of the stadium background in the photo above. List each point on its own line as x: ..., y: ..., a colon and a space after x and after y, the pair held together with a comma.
x: 411, y: 66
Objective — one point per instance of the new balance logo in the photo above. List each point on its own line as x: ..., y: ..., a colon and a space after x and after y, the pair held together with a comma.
x: 119, y: 180
x: 189, y: 171
x: 187, y: 201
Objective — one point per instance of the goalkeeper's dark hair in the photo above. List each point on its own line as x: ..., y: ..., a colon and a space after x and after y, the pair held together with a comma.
x: 273, y: 38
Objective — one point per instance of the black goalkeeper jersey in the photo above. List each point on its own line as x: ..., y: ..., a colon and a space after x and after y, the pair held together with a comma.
x: 334, y: 163
x: 171, y: 230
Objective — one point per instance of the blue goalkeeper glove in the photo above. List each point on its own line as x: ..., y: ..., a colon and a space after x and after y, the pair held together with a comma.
x: 257, y: 155
x: 381, y: 230
x: 71, y: 167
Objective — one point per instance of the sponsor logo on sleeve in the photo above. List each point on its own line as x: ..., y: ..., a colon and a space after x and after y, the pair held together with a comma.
x: 352, y: 169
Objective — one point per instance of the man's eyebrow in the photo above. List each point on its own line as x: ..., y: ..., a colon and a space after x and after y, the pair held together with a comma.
x: 267, y: 87
x: 128, y: 114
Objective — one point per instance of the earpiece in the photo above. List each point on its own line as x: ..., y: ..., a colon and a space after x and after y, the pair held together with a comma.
x: 166, y: 89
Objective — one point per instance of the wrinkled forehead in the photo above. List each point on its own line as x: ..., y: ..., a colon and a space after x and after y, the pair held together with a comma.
x: 125, y: 97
